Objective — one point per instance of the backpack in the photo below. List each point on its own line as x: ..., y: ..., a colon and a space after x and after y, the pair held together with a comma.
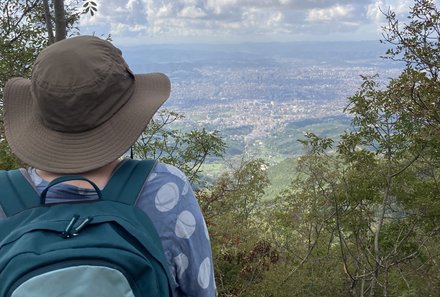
x: 101, y: 248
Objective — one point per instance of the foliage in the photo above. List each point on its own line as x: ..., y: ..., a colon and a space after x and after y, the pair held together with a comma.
x: 7, y: 159
x: 22, y: 36
x: 415, y: 42
x: 280, y: 176
x: 89, y: 7
x: 186, y: 150
x: 366, y: 208
x: 232, y: 209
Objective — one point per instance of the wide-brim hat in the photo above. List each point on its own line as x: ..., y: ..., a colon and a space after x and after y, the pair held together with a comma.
x: 82, y: 108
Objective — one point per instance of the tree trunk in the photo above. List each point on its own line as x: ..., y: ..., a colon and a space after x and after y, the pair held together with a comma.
x: 362, y: 290
x: 377, y: 252
x: 48, y: 20
x: 60, y: 20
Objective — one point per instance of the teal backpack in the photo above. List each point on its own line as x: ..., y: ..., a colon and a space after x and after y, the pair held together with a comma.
x: 100, y: 248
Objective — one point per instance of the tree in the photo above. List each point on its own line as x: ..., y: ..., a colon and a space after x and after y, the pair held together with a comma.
x: 304, y: 226
x: 63, y: 17
x: 232, y: 208
x: 373, y: 202
x: 416, y: 43
x: 186, y: 150
x: 22, y: 36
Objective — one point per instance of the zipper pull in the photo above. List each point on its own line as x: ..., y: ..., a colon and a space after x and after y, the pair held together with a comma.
x: 67, y: 233
x: 81, y: 226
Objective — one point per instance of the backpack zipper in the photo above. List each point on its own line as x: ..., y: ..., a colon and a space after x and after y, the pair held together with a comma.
x: 72, y: 231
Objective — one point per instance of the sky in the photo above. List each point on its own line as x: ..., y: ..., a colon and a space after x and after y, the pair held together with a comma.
x: 135, y: 22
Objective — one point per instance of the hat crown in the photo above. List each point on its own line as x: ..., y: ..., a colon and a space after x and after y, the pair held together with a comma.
x: 79, y: 83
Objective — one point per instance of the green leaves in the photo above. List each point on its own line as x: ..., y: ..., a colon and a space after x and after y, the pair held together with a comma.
x: 187, y: 150
x: 316, y: 144
x: 89, y: 7
x: 23, y: 34
x: 374, y: 201
x: 416, y: 41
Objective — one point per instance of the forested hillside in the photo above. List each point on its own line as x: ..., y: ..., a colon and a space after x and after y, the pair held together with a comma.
x: 360, y: 215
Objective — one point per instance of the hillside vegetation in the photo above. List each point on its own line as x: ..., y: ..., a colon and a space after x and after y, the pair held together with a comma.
x: 360, y: 214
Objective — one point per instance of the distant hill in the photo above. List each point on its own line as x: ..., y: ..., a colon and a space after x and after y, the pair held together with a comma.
x: 280, y: 176
x: 160, y: 55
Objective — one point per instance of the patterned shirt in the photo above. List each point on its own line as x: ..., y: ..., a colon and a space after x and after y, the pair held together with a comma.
x: 168, y: 200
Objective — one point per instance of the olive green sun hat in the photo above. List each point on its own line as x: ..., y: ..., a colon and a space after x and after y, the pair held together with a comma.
x: 82, y: 108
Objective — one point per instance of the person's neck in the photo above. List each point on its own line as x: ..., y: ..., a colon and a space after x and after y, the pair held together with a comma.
x: 99, y: 176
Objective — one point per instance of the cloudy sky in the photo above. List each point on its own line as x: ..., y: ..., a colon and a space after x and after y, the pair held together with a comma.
x: 175, y: 21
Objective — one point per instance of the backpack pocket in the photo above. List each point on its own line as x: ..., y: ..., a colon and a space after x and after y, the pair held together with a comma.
x: 75, y: 281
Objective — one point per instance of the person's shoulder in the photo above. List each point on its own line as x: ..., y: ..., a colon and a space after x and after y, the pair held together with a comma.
x: 168, y: 171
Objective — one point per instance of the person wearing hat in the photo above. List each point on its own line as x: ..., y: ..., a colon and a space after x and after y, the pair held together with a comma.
x: 79, y: 113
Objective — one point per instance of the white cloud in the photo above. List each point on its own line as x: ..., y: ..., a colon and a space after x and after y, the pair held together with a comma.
x: 239, y: 19
x: 275, y: 19
x: 119, y: 16
x: 334, y: 13
x: 191, y: 12
x: 164, y: 11
x: 376, y: 9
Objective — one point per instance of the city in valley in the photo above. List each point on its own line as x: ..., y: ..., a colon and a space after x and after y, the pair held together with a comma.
x: 263, y: 97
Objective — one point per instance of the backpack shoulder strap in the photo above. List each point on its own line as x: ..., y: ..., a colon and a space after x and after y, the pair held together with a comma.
x: 127, y: 181
x: 16, y: 193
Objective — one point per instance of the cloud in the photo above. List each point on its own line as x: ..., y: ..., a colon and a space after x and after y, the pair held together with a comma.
x: 375, y: 10
x: 119, y: 17
x: 283, y: 4
x: 239, y: 19
x: 335, y: 13
x: 192, y: 12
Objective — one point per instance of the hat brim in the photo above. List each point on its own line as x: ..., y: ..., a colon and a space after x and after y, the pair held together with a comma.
x: 59, y: 152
